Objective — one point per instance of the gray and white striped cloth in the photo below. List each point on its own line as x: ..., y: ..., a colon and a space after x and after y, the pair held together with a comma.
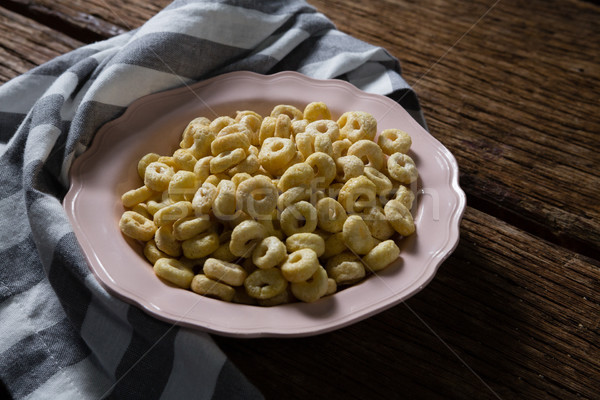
x: 61, y: 334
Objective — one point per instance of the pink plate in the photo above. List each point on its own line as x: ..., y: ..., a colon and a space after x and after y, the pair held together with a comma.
x: 154, y: 124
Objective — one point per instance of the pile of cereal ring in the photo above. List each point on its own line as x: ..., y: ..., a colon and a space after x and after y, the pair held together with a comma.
x: 272, y: 210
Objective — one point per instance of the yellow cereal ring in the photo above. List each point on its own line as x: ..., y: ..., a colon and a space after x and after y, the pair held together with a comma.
x: 183, y: 186
x: 136, y: 226
x: 245, y: 237
x: 187, y: 228
x: 305, y: 143
x: 316, y: 111
x: 382, y: 183
x: 348, y: 167
x: 203, y: 138
x: 334, y: 245
x: 357, y: 194
x: 399, y: 217
x: 402, y: 168
x: 158, y: 175
x: 276, y: 153
x: 136, y: 196
x: 224, y: 205
x: 202, y: 169
x: 345, y: 268
x: 405, y: 196
x: 144, y: 162
x: 269, y: 253
x: 299, y: 217
x: 369, y: 152
x: 249, y: 165
x: 257, y: 196
x: 377, y: 223
x: 200, y: 245
x: 204, y: 198
x: 324, y: 127
x: 331, y: 215
x: 142, y: 208
x: 298, y: 158
x: 223, y: 271
x: 290, y: 111
x: 293, y: 195
x: 300, y: 265
x: 187, y: 137
x: 184, y: 159
x: 205, y: 286
x: 165, y: 241
x: 357, y: 236
x: 265, y: 283
x: 235, y: 137
x: 313, y: 289
x: 153, y: 253
x: 324, y: 169
x: 284, y: 297
x: 219, y: 123
x: 299, y: 126
x: 169, y: 214
x: 299, y: 241
x: 223, y: 253
x: 155, y: 204
x: 174, y: 271
x: 340, y: 148
x: 357, y: 125
x: 300, y: 174
x: 382, y: 255
x: 394, y: 141
x: 331, y: 286
x: 240, y: 177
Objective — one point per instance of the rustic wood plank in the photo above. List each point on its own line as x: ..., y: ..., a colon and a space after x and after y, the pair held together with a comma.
x: 507, y: 315
x: 515, y: 99
x: 25, y: 44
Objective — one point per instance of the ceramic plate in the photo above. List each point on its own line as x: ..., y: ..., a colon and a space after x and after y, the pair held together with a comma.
x: 154, y: 124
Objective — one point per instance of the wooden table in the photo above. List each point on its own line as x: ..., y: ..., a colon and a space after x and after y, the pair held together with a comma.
x: 512, y: 88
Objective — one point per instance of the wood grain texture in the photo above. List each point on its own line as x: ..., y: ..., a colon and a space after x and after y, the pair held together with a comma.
x: 511, y: 89
x: 25, y: 44
x: 507, y: 315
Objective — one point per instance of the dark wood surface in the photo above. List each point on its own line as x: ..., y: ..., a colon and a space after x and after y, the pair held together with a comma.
x: 512, y: 88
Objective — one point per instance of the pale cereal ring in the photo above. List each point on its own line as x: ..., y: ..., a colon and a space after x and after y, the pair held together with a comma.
x: 219, y: 123
x: 257, y: 196
x: 348, y: 167
x: 394, y: 141
x: 405, y: 196
x: 313, y: 289
x: 269, y: 253
x: 298, y: 218
x: 382, y: 255
x: 187, y: 228
x: 280, y: 126
x: 293, y: 195
x: 223, y: 253
x: 345, y: 268
x: 305, y: 142
x: 231, y: 138
x: 136, y: 196
x: 284, y: 297
x: 377, y: 223
x: 165, y: 241
x: 187, y: 137
x: 158, y: 175
x: 184, y: 159
x: 136, y: 226
x: 265, y: 283
x: 168, y: 160
x: 205, y: 286
x: 200, y: 245
x: 171, y: 213
x: 272, y: 226
x: 357, y: 236
x: 331, y: 215
x: 237, y: 219
x: 331, y: 287
x: 369, y: 152
x: 334, y: 245
x: 299, y: 126
x: 300, y: 174
x: 276, y: 153
x: 402, y: 168
x: 299, y: 241
x: 324, y: 169
x: 249, y: 165
x: 399, y: 217
x: 153, y: 253
x: 357, y: 194
x: 316, y: 111
x: 216, y: 178
x: 334, y: 190
x: 240, y: 177
x: 174, y: 271
x: 203, y: 138
x: 322, y: 144
x: 382, y: 183
x: 202, y: 169
x: 142, y: 208
x: 223, y: 271
x: 252, y: 121
x: 245, y: 237
x: 155, y: 204
x: 183, y: 186
x: 357, y: 125
x: 324, y: 127
x: 340, y: 148
x: 300, y: 265
x: 224, y: 205
x: 204, y: 198
x: 240, y: 115
x: 144, y: 162
x: 290, y: 111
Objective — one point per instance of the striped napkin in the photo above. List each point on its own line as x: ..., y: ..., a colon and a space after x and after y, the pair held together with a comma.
x: 61, y: 334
